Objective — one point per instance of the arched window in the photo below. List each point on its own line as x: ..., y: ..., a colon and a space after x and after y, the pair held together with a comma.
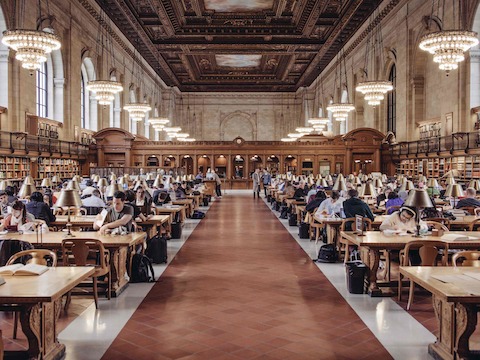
x: 83, y: 120
x: 475, y: 66
x: 392, y: 102
x: 88, y: 103
x: 3, y: 65
x: 42, y: 91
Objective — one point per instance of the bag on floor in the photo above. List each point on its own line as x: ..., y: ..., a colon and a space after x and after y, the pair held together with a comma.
x: 304, y: 230
x: 176, y: 230
x: 269, y: 198
x: 205, y: 201
x: 142, y: 269
x: 157, y: 249
x: 327, y: 254
x: 278, y: 206
x: 292, y: 220
x: 284, y: 212
x: 198, y: 215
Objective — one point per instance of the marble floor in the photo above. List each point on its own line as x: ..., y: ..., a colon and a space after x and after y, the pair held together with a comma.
x: 399, y: 335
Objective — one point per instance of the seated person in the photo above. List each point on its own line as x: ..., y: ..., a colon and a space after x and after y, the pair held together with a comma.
x: 331, y: 206
x: 119, y: 215
x: 130, y: 201
x: 143, y: 202
x: 315, y: 203
x: 95, y: 200
x: 4, y: 206
x: 161, y: 196
x: 39, y: 209
x: 88, y: 189
x: 354, y: 206
x: 403, y: 220
x: 469, y: 199
x: 393, y: 200
x: 17, y: 218
x: 179, y: 191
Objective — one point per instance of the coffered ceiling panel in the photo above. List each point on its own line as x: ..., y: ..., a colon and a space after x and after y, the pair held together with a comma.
x: 238, y: 45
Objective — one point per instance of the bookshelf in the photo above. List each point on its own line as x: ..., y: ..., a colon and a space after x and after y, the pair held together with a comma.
x: 14, y: 168
x: 465, y: 167
x: 65, y: 168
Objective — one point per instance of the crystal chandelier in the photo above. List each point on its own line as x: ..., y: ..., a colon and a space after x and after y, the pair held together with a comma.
x: 137, y: 111
x: 318, y: 124
x: 374, y: 91
x: 179, y: 135
x: 295, y: 135
x: 288, y: 139
x: 158, y: 123
x: 448, y: 47
x: 340, y: 110
x: 104, y: 90
x: 187, y: 139
x: 31, y: 46
x: 304, y: 130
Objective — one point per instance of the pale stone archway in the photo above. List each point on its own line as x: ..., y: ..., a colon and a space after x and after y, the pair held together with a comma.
x: 236, y: 124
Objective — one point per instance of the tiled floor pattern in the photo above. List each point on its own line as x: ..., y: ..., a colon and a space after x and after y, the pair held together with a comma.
x: 241, y: 288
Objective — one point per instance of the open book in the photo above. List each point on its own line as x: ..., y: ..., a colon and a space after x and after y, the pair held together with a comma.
x: 20, y: 269
x: 458, y: 237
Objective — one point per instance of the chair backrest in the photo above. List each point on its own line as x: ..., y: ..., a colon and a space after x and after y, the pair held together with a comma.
x: 436, y: 225
x: 83, y: 252
x: 34, y: 256
x: 367, y: 224
x: 10, y: 247
x: 93, y: 210
x: 469, y: 209
x: 443, y: 221
x: 467, y: 258
x: 428, y: 251
x: 477, y: 211
x: 474, y: 225
x: 389, y: 210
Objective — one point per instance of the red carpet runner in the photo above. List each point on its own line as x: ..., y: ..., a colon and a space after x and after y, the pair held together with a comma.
x: 242, y: 288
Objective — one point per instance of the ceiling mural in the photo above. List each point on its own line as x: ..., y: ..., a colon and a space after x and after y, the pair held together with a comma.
x: 238, y: 5
x: 239, y: 45
x: 238, y: 61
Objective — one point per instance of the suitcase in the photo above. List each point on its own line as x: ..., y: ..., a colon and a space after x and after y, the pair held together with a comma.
x: 157, y: 249
x: 292, y: 220
x: 176, y: 230
x: 304, y: 230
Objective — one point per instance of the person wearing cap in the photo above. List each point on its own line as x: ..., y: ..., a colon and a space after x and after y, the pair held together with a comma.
x: 403, y: 220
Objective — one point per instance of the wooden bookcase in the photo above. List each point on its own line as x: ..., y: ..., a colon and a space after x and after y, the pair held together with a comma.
x: 14, y: 168
x: 65, y: 168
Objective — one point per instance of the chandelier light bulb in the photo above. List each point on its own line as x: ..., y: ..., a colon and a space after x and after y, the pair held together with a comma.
x: 374, y: 91
x: 318, y: 121
x: 104, y: 90
x: 137, y: 111
x: 158, y: 123
x: 288, y: 139
x: 295, y: 135
x: 31, y: 46
x: 174, y: 129
x: 340, y: 110
x: 187, y: 139
x: 304, y: 130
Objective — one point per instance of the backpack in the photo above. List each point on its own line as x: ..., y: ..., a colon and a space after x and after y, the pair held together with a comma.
x: 327, y: 254
x: 157, y: 250
x: 198, y: 215
x: 141, y: 265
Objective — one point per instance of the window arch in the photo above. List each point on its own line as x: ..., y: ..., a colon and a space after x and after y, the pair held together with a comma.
x: 42, y: 91
x: 50, y: 87
x: 392, y: 101
x: 3, y: 65
x: 88, y: 103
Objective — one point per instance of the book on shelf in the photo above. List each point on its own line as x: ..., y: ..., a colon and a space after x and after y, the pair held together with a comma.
x: 20, y: 269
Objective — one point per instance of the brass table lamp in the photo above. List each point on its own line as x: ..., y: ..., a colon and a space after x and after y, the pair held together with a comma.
x: 418, y: 198
x: 69, y: 198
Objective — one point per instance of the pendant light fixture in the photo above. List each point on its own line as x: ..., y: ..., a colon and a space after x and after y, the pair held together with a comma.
x: 340, y: 110
x: 137, y: 110
x: 32, y: 46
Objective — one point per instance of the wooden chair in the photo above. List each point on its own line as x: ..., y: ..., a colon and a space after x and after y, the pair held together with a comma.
x: 436, y: 225
x: 391, y: 209
x: 474, y: 225
x: 443, y: 221
x: 367, y: 224
x: 428, y: 251
x: 477, y: 211
x: 33, y: 256
x: 469, y: 209
x: 314, y: 224
x: 467, y: 258
x: 88, y: 252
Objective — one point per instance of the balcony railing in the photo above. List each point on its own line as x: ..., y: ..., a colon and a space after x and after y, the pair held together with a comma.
x: 455, y: 142
x: 20, y: 141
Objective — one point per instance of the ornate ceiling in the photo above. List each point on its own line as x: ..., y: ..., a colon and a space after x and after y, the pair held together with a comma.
x: 238, y: 45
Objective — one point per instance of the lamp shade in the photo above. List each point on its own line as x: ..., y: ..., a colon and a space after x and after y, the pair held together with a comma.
x: 95, y: 178
x: 69, y: 198
x: 26, y: 190
x: 422, y: 178
x: 56, y: 179
x: 475, y: 184
x: 4, y: 184
x: 28, y: 180
x: 77, y: 178
x: 454, y: 190
x: 158, y: 181
x: 432, y: 183
x: 418, y: 198
x: 113, y: 177
x: 102, y: 182
x: 46, y: 182
x: 122, y: 181
x: 150, y: 176
x: 378, y: 183
x: 328, y: 177
x: 323, y: 183
x: 112, y: 189
x: 450, y: 180
x: 73, y: 185
x: 368, y: 190
x: 340, y: 185
x: 407, y: 186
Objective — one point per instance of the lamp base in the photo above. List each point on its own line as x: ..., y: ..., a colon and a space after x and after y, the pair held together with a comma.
x: 69, y: 232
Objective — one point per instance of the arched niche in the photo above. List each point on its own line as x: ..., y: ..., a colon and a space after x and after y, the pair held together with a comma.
x: 238, y: 162
x: 236, y: 124
x: 186, y: 163
x: 203, y: 163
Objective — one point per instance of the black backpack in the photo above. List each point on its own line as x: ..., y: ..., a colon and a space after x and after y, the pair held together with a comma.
x: 157, y: 249
x: 141, y: 265
x: 327, y: 254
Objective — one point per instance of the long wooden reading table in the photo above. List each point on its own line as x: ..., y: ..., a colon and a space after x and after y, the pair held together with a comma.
x: 118, y: 245
x: 456, y: 296
x: 39, y: 300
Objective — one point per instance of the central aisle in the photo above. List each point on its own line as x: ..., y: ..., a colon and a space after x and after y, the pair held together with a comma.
x: 242, y: 288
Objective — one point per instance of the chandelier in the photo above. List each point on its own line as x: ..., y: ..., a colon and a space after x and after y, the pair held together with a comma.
x: 340, y: 110
x: 187, y: 139
x: 288, y: 139
x: 180, y: 135
x: 158, y: 123
x: 104, y: 90
x: 374, y: 90
x: 448, y: 47
x: 31, y: 46
x: 295, y: 135
x: 304, y: 130
x: 137, y: 111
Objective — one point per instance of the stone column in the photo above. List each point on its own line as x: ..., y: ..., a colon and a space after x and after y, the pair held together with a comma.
x: 58, y: 101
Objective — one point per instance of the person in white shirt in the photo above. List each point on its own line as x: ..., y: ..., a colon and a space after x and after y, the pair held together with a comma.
x: 94, y: 200
x: 332, y: 205
x: 403, y: 220
x: 89, y: 189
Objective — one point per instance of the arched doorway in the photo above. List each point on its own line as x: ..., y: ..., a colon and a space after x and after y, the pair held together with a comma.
x: 187, y: 164
x: 290, y: 164
x: 238, y: 167
x: 203, y: 162
x: 152, y: 161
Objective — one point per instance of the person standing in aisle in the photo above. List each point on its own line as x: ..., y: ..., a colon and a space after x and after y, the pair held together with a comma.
x: 266, y: 179
x: 218, y: 185
x: 256, y: 183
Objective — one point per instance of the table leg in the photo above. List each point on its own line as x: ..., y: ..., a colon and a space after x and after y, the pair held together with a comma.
x: 31, y: 327
x: 52, y: 349
x: 118, y: 269
x: 373, y: 263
